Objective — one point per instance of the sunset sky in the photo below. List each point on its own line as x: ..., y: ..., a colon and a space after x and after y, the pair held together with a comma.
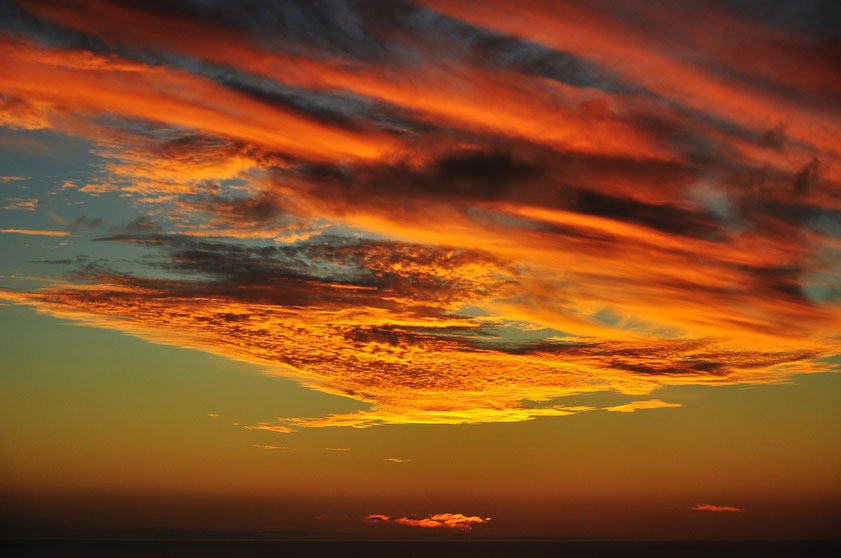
x: 441, y: 268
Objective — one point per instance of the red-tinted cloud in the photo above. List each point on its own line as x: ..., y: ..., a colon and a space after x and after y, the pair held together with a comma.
x: 565, y: 198
x: 441, y: 520
x: 713, y: 508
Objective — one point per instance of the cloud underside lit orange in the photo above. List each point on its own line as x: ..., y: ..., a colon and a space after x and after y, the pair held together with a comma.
x: 402, y: 345
x: 714, y: 508
x: 671, y: 221
x: 35, y: 232
x: 634, y: 406
x: 440, y: 520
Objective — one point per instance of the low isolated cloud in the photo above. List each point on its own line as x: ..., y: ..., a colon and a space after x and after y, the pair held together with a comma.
x: 35, y: 232
x: 639, y: 405
x: 445, y: 520
x: 713, y: 508
x: 21, y: 204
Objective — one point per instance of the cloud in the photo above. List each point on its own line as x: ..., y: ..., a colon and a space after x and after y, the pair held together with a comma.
x: 84, y: 224
x: 397, y: 460
x: 609, y: 37
x: 35, y: 232
x: 712, y: 508
x: 454, y: 212
x: 271, y: 447
x: 441, y: 520
x: 271, y: 428
x: 25, y: 204
x: 380, y: 321
x: 138, y: 226
x: 639, y: 405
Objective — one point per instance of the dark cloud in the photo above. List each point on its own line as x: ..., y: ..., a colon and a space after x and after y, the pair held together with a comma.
x: 84, y: 224
x: 668, y: 219
x: 391, y: 32
x: 343, y: 110
x: 140, y: 225
x: 806, y: 16
x: 775, y: 137
x: 342, y: 27
x: 17, y: 21
x: 526, y: 57
x: 316, y: 272
x: 807, y: 177
x: 261, y: 208
x: 65, y: 261
x: 524, y: 175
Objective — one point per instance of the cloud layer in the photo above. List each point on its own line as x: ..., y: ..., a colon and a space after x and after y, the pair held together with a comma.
x: 454, y: 211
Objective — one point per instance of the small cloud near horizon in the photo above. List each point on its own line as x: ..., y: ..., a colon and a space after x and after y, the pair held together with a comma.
x: 713, y: 508
x: 445, y: 520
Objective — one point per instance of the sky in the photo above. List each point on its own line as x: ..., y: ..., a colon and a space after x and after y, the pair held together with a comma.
x: 393, y: 269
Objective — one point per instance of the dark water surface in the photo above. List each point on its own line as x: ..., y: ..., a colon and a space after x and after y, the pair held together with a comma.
x: 406, y: 549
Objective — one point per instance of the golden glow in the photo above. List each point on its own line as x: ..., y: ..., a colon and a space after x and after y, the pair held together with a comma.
x: 646, y: 241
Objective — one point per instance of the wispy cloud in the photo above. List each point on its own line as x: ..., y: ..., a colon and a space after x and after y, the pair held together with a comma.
x: 26, y: 204
x: 270, y: 427
x: 640, y: 405
x: 545, y: 200
x: 713, y: 508
x: 35, y: 232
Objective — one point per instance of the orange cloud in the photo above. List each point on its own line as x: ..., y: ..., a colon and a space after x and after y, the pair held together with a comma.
x: 712, y: 508
x: 35, y: 232
x: 52, y: 77
x: 437, y: 93
x: 383, y: 326
x: 441, y: 520
x: 590, y: 206
x: 639, y: 405
x: 25, y: 204
x: 603, y: 35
